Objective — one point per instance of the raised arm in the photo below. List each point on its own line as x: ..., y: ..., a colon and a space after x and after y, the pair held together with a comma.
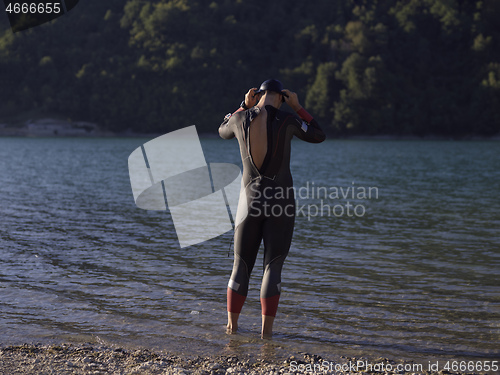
x: 308, y: 129
x: 226, y: 129
x: 251, y: 99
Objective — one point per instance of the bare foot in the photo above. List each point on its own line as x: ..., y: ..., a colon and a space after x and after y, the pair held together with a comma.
x: 231, y: 330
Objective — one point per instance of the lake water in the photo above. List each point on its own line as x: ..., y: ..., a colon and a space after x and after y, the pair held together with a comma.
x: 410, y: 272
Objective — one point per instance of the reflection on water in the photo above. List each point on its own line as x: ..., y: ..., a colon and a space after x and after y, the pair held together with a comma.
x: 416, y: 275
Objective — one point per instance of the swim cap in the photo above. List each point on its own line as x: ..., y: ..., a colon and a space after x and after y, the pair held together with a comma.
x: 272, y: 85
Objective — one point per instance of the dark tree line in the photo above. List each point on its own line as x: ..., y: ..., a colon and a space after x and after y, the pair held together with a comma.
x: 361, y: 67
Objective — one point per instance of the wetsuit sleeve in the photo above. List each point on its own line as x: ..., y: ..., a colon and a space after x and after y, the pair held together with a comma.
x: 226, y: 129
x: 308, y: 129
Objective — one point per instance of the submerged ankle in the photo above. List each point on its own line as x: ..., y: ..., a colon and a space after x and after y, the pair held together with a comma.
x: 231, y: 328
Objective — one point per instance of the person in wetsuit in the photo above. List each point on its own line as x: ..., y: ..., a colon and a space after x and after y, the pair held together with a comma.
x: 266, y: 210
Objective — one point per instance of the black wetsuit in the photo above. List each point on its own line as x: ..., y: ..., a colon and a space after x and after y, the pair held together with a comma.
x: 269, y: 200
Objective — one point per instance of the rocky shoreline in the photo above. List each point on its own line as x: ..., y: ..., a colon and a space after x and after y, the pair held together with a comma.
x: 89, y: 359
x: 51, y: 127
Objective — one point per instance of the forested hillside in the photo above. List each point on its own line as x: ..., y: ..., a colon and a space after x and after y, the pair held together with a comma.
x: 412, y: 67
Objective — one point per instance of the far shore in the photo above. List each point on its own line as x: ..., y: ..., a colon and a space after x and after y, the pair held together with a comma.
x: 54, y: 127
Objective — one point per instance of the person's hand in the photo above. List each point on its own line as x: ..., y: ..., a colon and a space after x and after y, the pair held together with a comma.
x: 292, y: 100
x: 251, y: 98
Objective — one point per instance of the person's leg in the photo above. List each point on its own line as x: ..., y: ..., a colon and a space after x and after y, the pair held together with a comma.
x: 270, y: 294
x: 277, y: 234
x: 247, y: 239
x: 267, y: 326
x: 232, y: 322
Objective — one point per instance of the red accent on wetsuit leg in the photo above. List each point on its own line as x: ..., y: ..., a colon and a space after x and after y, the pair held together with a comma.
x: 235, y: 301
x: 270, y: 305
x: 304, y: 115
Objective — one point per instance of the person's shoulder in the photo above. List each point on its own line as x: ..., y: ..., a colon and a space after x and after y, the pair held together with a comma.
x: 284, y: 113
x: 235, y: 117
x: 286, y: 116
x: 278, y: 113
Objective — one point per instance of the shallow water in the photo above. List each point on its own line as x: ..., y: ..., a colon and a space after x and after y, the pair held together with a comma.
x: 412, y: 273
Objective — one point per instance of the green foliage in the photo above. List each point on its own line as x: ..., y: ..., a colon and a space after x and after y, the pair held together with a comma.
x: 360, y: 67
x: 320, y: 96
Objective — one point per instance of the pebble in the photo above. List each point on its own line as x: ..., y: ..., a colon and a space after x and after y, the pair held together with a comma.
x: 214, y: 366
